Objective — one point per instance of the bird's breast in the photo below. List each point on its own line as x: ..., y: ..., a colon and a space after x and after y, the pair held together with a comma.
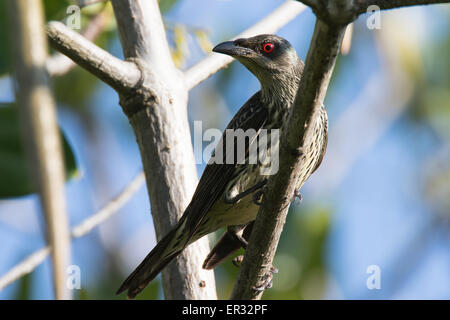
x: 241, y: 212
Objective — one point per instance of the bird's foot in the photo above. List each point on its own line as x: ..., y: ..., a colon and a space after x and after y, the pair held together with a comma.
x: 257, y: 197
x: 297, y: 196
x: 268, y: 280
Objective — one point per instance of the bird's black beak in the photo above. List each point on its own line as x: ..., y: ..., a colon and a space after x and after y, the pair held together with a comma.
x: 232, y: 49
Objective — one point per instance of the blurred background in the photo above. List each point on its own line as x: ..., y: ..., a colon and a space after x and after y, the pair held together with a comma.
x: 381, y: 197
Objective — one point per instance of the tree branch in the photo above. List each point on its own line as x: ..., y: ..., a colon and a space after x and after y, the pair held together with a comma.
x: 271, y: 217
x: 85, y: 3
x: 59, y: 64
x: 121, y: 75
x: 270, y: 24
x: 40, y: 131
x: 83, y: 228
x: 98, y: 62
x: 110, y: 208
x: 25, y: 267
x: 158, y: 114
x: 346, y: 11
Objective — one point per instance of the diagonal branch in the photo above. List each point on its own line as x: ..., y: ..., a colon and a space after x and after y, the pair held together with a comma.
x: 85, y: 3
x: 274, y: 20
x: 40, y: 131
x: 35, y: 259
x: 362, y: 5
x: 270, y: 24
x: 58, y: 64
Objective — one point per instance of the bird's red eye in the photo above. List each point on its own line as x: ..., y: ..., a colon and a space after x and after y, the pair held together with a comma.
x: 268, y: 47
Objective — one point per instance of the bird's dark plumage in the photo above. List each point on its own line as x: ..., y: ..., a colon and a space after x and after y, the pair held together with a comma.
x: 223, y: 197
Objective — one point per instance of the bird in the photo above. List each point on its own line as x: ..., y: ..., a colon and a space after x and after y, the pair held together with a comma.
x: 231, y: 188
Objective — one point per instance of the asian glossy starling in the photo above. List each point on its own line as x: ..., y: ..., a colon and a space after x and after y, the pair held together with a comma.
x: 228, y: 191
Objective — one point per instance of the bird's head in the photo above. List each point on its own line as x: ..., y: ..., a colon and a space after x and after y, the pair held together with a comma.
x: 269, y: 57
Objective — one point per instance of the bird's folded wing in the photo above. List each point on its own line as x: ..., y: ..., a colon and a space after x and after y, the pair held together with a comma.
x: 215, y: 177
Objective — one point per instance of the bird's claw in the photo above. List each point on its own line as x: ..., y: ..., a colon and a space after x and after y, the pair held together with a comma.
x: 267, y: 283
x: 297, y: 195
x: 257, y: 197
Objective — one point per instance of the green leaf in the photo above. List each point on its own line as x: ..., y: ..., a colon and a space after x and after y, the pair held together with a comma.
x: 14, y: 177
x: 166, y: 5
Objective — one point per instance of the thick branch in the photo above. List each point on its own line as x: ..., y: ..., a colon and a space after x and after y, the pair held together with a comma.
x: 280, y: 190
x: 24, y: 267
x: 120, y: 75
x: 40, y: 131
x: 158, y: 115
x: 270, y: 24
x: 35, y: 259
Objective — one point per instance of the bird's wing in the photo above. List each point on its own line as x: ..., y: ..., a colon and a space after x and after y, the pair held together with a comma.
x: 323, y: 114
x: 215, y: 177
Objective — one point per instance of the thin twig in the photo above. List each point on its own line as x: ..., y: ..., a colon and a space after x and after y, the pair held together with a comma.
x: 34, y: 260
x: 157, y: 111
x: 24, y: 267
x: 59, y: 64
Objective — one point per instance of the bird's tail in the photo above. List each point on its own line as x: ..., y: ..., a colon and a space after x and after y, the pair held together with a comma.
x: 164, y: 252
x: 225, y: 247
